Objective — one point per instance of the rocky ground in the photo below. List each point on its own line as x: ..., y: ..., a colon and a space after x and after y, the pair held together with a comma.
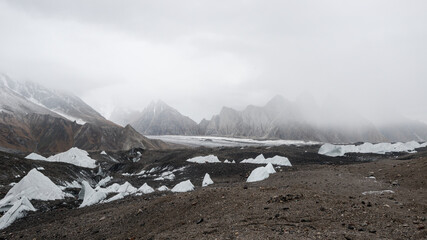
x: 318, y: 198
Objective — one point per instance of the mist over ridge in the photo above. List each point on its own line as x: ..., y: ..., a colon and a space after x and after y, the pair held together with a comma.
x: 368, y: 56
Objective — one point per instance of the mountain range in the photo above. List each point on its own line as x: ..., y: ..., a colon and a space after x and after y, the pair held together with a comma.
x: 35, y: 118
x: 279, y: 119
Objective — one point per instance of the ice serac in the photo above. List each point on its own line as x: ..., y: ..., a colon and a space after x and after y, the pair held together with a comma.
x: 104, y: 181
x: 127, y: 188
x: 90, y: 196
x: 145, y: 189
x: 207, y: 180
x: 379, y: 148
x: 204, y: 159
x: 18, y: 210
x: 184, y: 186
x: 34, y: 185
x: 35, y: 156
x: 74, y: 156
x: 258, y: 174
x: 276, y: 160
x: 158, y: 118
x: 163, y: 188
x: 270, y: 169
x: 116, y: 197
x: 261, y: 173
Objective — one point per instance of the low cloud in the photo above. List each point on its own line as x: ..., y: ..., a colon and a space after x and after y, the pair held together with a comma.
x: 199, y: 56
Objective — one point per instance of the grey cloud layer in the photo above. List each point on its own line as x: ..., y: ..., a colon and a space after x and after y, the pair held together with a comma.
x: 201, y: 55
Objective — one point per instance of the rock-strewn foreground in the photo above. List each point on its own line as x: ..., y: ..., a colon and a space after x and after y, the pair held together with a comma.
x: 306, y: 201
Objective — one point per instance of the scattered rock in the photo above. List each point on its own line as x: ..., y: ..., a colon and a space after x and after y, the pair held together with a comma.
x: 139, y: 211
x: 282, y: 199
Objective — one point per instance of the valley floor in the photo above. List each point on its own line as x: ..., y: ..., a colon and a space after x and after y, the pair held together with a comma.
x: 302, y: 202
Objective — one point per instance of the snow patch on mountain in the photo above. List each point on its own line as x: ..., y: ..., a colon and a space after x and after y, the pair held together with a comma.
x: 72, y: 119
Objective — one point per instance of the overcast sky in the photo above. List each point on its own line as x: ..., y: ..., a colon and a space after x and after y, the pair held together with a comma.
x: 198, y: 56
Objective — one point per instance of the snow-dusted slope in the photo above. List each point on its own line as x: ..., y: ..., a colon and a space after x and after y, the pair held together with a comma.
x: 158, y: 118
x: 13, y: 102
x: 34, y: 118
x: 53, y: 102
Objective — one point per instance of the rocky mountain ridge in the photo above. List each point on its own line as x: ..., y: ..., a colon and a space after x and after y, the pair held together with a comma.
x: 37, y: 119
x: 280, y: 118
x: 158, y: 118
